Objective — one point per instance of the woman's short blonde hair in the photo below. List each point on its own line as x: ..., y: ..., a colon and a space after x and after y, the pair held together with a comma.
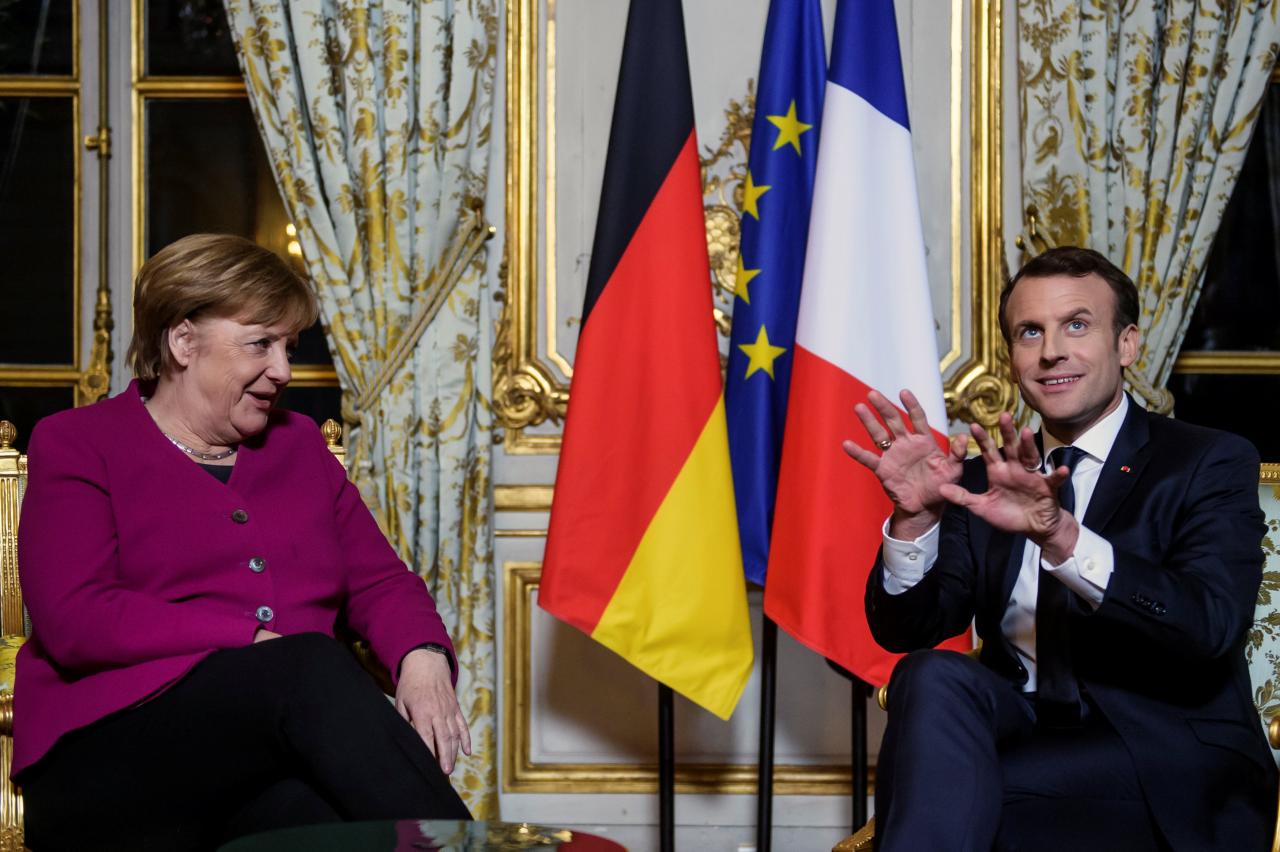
x: 216, y: 275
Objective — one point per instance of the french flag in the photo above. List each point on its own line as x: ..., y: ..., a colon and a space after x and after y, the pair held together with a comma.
x: 865, y: 322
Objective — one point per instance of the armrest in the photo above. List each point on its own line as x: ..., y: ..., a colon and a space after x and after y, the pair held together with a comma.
x: 860, y: 842
x: 364, y: 654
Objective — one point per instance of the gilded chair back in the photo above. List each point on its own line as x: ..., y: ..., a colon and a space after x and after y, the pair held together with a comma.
x: 13, y: 626
x: 1263, y: 650
x: 13, y: 482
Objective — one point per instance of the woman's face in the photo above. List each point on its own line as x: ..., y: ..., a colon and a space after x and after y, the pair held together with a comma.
x: 234, y: 373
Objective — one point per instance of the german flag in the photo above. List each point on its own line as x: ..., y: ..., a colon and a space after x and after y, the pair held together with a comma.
x: 642, y: 551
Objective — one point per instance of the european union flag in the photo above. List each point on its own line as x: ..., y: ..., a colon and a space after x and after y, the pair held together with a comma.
x: 775, y: 225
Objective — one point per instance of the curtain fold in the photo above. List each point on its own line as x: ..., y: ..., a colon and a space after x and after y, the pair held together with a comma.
x: 377, y: 118
x: 1135, y: 118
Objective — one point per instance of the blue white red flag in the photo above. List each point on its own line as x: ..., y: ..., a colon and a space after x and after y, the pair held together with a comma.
x: 865, y: 321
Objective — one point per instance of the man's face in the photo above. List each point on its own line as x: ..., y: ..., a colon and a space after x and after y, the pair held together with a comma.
x: 1066, y: 357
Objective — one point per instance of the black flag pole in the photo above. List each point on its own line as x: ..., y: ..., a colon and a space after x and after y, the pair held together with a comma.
x: 857, y: 742
x: 858, y: 747
x: 768, y: 699
x: 666, y: 769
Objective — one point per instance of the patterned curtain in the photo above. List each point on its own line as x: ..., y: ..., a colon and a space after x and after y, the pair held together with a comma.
x: 1135, y: 118
x: 376, y: 115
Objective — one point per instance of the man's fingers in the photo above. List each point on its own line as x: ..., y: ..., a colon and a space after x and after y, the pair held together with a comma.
x: 985, y: 444
x: 959, y: 447
x: 1008, y: 435
x: 866, y: 458
x: 955, y: 494
x: 919, y: 420
x: 888, y: 413
x: 875, y: 430
x: 1028, y: 453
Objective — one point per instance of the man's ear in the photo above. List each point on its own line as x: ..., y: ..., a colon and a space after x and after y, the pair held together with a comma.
x: 1128, y: 342
x: 181, y: 340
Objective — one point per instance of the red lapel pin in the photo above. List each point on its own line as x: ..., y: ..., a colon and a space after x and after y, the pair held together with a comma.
x: 1124, y: 468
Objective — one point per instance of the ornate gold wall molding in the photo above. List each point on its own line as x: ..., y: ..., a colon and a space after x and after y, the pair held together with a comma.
x: 981, y: 386
x: 525, y: 390
x: 529, y: 391
x: 521, y: 774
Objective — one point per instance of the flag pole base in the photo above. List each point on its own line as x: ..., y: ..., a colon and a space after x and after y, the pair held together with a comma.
x: 666, y: 769
x: 857, y: 742
x: 768, y: 707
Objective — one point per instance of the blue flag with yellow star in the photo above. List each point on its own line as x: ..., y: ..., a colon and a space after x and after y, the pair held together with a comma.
x: 775, y: 225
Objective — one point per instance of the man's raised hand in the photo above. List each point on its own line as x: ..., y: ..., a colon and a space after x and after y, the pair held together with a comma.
x: 910, y: 466
x: 1019, y: 498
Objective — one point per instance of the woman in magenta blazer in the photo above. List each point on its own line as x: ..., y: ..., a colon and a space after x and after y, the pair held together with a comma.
x: 187, y: 550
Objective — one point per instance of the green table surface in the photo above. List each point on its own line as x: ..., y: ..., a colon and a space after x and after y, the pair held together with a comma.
x: 421, y: 836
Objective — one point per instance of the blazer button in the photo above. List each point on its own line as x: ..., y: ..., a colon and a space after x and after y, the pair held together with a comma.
x: 257, y: 564
x: 264, y: 614
x: 240, y: 516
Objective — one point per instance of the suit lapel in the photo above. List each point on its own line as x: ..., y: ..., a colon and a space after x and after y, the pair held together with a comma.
x: 1120, y: 472
x: 1006, y: 550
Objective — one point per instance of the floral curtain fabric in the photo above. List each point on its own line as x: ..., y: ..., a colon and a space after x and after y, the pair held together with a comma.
x: 1135, y: 118
x: 377, y: 117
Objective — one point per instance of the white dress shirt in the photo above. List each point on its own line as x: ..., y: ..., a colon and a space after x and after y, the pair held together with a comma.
x: 1086, y: 572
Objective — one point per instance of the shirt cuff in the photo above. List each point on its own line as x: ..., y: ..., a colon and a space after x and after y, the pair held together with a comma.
x: 1088, y: 570
x: 906, y: 562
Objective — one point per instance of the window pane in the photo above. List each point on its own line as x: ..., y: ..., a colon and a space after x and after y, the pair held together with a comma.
x: 207, y: 171
x: 35, y: 37
x: 188, y: 38
x: 23, y: 407
x: 312, y: 348
x: 1239, y: 307
x: 37, y: 230
x: 1215, y: 400
x: 319, y: 403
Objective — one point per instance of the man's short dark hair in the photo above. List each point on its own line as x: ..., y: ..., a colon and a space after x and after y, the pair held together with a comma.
x: 1077, y: 262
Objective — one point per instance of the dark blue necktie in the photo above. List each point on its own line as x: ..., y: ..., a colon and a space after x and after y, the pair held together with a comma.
x: 1057, y: 693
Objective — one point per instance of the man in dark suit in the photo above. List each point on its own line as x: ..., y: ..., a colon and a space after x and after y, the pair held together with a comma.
x: 1111, y: 563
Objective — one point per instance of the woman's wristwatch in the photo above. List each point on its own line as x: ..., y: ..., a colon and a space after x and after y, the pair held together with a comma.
x: 433, y: 646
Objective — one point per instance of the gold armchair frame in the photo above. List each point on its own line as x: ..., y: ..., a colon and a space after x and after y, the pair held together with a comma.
x: 13, y: 484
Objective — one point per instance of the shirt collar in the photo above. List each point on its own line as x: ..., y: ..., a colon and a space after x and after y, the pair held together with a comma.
x: 1098, y: 439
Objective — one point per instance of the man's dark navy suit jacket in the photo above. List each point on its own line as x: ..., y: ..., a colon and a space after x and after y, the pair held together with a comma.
x: 1163, y: 656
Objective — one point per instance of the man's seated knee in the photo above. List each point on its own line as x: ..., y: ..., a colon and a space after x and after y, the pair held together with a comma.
x: 932, y: 671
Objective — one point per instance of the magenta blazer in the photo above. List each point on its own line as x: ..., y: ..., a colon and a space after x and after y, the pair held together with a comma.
x: 136, y: 563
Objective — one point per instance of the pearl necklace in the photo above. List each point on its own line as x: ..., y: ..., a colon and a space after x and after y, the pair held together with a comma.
x: 199, y: 455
